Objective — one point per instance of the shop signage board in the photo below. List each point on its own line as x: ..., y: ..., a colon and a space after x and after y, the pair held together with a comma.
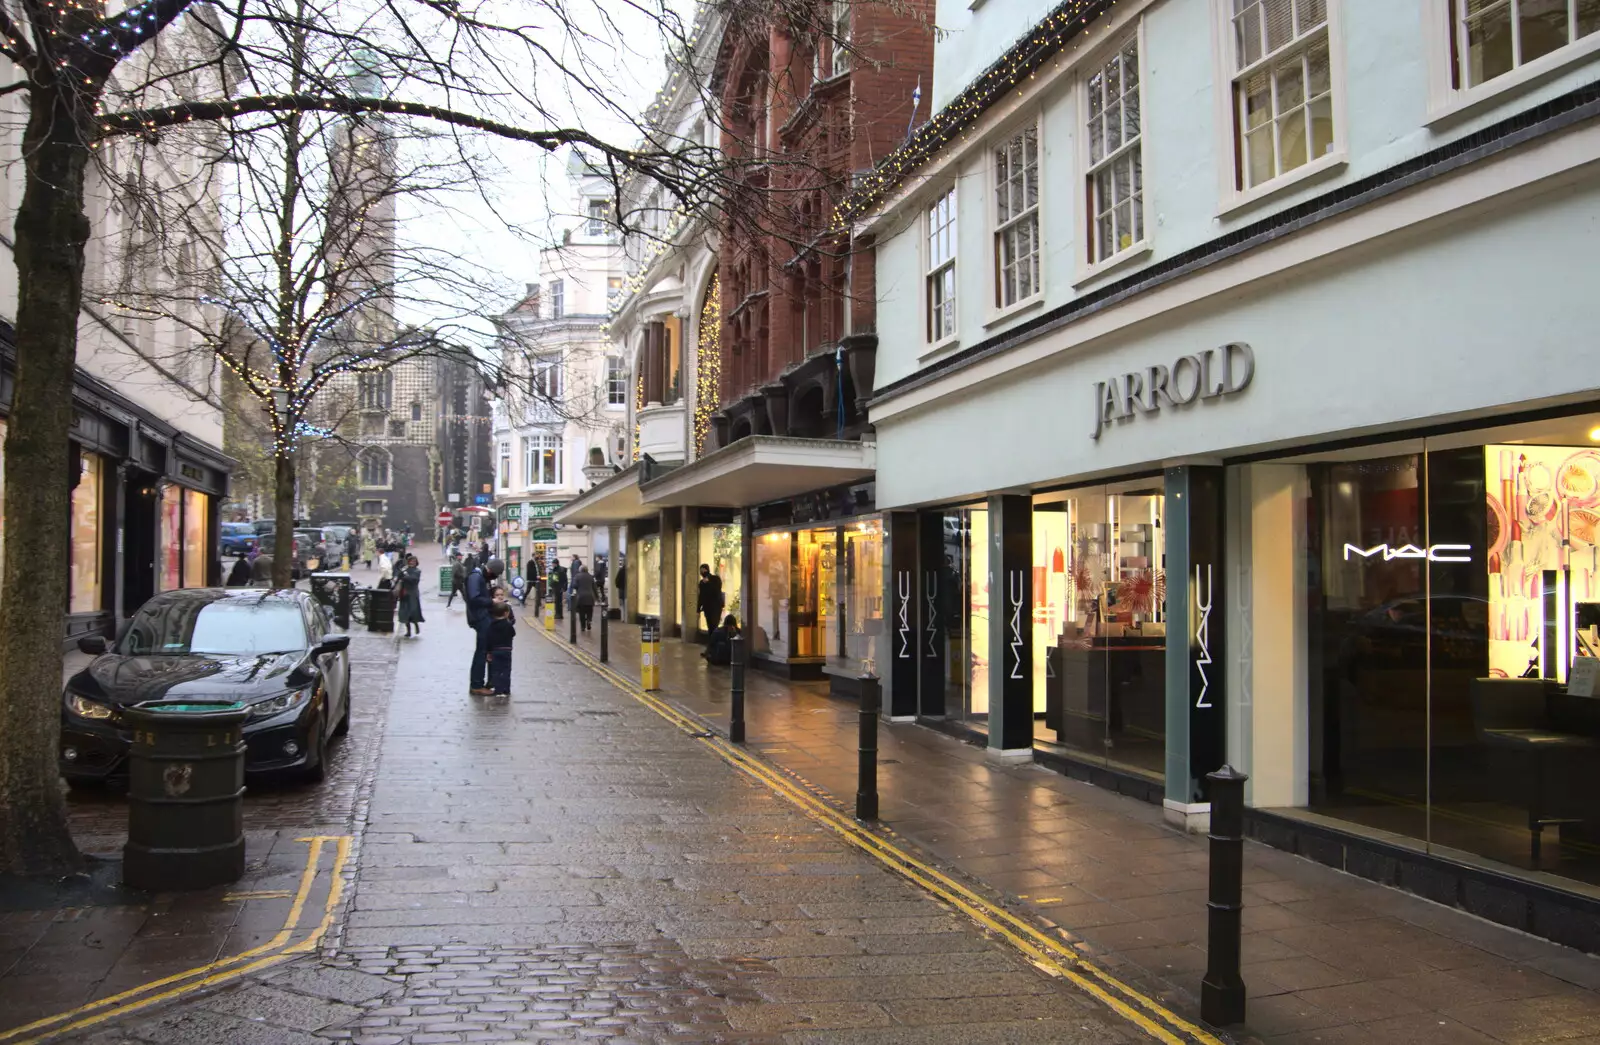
x: 1202, y: 487
x: 543, y: 510
x: 1213, y: 374
x: 482, y: 498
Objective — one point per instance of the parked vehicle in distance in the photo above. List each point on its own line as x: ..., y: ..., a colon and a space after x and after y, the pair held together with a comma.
x: 273, y: 650
x: 311, y: 548
x: 265, y: 525
x: 237, y: 537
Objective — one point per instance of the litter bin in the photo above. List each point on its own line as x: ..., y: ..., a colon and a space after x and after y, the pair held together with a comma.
x: 332, y: 589
x: 185, y: 796
x: 380, y: 610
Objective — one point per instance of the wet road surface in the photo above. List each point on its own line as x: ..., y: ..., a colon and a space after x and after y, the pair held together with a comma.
x: 564, y: 865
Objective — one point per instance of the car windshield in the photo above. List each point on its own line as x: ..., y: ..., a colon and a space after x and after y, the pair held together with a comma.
x: 235, y: 626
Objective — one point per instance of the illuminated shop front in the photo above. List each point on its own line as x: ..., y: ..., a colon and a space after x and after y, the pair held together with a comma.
x: 1450, y: 588
x: 722, y: 549
x: 818, y: 606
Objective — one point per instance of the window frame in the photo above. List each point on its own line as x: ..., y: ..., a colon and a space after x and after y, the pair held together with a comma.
x: 997, y: 310
x: 541, y: 443
x: 546, y: 369
x: 1232, y: 194
x: 933, y: 340
x: 840, y: 36
x: 558, y: 298
x: 503, y: 472
x: 374, y: 453
x: 1446, y: 99
x: 616, y: 371
x: 1086, y: 267
x: 595, y: 223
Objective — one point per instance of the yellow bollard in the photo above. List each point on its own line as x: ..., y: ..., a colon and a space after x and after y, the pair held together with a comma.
x: 650, y: 654
x: 549, y: 613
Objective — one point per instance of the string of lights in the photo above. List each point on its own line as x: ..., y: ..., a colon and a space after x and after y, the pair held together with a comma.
x: 708, y: 365
x: 1019, y: 63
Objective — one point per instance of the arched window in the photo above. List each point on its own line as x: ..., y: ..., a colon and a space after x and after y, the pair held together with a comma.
x: 374, y: 463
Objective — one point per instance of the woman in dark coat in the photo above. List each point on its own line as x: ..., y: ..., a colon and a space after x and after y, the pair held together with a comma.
x: 583, y: 596
x: 239, y: 576
x: 408, y: 595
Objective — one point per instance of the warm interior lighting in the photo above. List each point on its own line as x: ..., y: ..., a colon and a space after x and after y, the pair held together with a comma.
x: 1594, y: 435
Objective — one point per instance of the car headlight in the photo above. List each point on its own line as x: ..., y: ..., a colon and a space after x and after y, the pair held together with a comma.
x: 83, y: 707
x: 279, y: 704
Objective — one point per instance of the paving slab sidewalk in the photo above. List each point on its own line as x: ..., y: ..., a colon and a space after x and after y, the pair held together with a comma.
x: 1328, y: 957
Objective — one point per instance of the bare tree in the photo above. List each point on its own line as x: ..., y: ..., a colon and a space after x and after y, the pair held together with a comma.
x: 186, y: 78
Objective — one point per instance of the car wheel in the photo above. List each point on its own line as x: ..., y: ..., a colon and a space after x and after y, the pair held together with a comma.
x: 343, y: 727
x: 85, y: 785
x: 316, y: 769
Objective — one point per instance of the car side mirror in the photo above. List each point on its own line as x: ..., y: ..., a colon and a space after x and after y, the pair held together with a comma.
x: 95, y: 644
x: 333, y: 644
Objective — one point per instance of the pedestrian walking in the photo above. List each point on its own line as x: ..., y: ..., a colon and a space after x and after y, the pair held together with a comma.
x: 710, y: 601
x: 502, y: 632
x: 408, y: 596
x: 239, y: 576
x: 622, y: 582
x: 459, y: 568
x: 583, y: 596
x: 480, y: 600
x: 352, y: 547
x: 558, y: 585
x: 261, y: 570
x: 369, y: 548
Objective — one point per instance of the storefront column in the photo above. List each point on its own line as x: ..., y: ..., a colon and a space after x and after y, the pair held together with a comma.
x: 900, y: 617
x: 117, y: 511
x: 1011, y: 625
x: 615, y: 553
x: 931, y: 625
x: 689, y: 576
x: 1196, y: 609
x: 671, y: 526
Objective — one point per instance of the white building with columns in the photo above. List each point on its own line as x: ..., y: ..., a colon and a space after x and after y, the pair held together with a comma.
x: 563, y: 404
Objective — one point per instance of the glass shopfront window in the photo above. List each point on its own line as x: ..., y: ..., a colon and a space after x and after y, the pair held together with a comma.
x: 1425, y: 623
x: 964, y: 594
x: 721, y: 549
x: 171, y: 551
x: 649, y: 575
x: 819, y: 594
x: 1099, y: 623
x: 196, y: 524
x: 86, y: 590
x: 769, y: 631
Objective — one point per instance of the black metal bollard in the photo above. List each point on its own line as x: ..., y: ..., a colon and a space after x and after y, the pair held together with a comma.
x: 572, y: 627
x: 736, y: 703
x: 1222, y: 992
x: 867, y: 773
x: 605, y: 633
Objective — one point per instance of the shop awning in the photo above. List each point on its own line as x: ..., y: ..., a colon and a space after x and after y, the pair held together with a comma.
x: 762, y: 468
x: 613, y: 500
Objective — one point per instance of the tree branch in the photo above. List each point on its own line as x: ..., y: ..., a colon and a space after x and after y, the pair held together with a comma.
x: 119, y: 35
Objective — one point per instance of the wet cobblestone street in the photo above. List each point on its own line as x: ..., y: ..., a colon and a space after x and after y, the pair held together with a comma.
x: 565, y: 865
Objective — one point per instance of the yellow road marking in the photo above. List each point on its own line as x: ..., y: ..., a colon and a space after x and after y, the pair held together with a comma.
x: 1043, y: 951
x: 222, y: 970
x: 263, y: 894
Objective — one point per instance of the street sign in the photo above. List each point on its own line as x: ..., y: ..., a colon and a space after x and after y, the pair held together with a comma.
x: 482, y: 498
x: 444, y: 518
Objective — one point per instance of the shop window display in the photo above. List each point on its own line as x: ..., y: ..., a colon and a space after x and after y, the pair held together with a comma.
x: 859, y: 626
x: 1450, y: 596
x: 1099, y: 624
x: 770, y: 620
x: 86, y: 591
x: 649, y: 575
x: 195, y: 525
x: 171, y: 561
x: 720, y: 549
x: 964, y: 594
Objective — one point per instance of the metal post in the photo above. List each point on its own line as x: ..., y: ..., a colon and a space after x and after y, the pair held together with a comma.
x: 1222, y: 990
x: 605, y: 633
x: 572, y: 626
x: 867, y: 773
x: 736, y: 703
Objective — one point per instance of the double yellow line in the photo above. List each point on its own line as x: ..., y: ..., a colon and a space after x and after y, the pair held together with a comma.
x: 1044, y: 951
x: 280, y: 948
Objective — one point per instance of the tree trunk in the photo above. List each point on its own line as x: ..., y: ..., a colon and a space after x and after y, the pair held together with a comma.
x: 51, y: 232
x: 283, y: 562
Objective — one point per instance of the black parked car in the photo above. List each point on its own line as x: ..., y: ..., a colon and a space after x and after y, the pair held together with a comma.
x: 270, y: 649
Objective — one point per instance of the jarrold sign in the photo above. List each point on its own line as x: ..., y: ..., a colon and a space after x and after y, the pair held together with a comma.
x: 1212, y: 374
